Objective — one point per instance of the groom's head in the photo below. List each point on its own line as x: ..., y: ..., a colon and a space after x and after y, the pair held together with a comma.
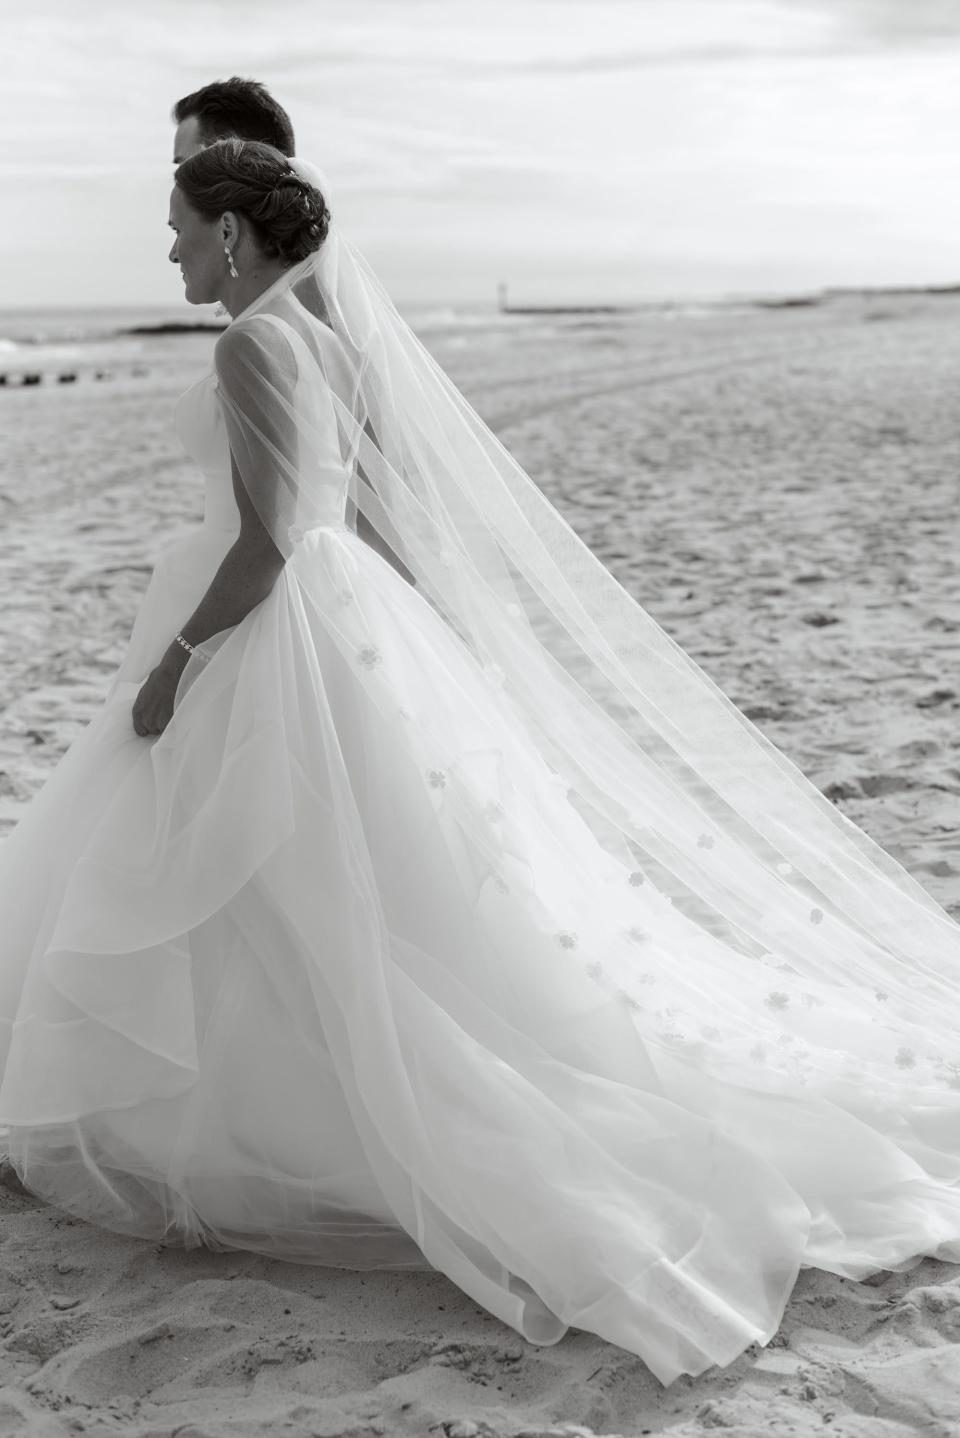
x: 241, y: 109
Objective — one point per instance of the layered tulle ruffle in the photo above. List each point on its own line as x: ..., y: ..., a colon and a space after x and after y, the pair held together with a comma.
x: 333, y: 970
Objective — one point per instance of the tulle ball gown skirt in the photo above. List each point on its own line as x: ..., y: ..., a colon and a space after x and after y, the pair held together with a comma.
x: 332, y: 971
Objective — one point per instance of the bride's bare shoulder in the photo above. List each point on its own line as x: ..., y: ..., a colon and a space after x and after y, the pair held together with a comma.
x: 255, y: 344
x: 276, y: 350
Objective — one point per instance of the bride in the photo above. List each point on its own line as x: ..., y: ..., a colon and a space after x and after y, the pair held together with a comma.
x: 460, y: 924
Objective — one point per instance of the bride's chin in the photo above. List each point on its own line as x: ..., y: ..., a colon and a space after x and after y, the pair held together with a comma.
x: 192, y: 298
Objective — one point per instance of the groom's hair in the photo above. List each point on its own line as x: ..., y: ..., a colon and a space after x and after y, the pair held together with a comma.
x: 241, y: 109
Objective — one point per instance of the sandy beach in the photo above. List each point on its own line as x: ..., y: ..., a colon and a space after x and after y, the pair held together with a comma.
x: 778, y: 488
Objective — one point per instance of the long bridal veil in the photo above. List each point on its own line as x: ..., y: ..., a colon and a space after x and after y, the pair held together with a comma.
x: 837, y: 969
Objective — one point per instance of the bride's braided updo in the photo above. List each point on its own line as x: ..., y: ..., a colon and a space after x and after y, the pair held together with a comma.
x: 289, y: 216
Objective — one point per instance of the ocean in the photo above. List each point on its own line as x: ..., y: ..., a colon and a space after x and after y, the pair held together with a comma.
x: 66, y: 344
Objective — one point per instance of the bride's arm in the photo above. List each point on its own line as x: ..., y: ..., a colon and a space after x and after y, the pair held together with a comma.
x: 246, y: 575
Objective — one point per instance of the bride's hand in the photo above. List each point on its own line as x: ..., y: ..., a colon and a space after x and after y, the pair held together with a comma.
x: 153, y: 706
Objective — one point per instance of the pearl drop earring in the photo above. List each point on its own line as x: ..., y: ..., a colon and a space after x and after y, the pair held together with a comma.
x: 233, y: 268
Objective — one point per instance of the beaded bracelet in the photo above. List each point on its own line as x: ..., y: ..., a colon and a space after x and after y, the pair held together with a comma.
x: 188, y: 647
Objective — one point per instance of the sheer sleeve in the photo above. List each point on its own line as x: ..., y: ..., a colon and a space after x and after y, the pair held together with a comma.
x: 282, y: 426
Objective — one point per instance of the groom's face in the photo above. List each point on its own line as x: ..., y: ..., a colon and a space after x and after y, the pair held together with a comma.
x: 187, y: 139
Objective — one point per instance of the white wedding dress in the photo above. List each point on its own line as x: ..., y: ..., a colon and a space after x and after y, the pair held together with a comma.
x: 329, y: 971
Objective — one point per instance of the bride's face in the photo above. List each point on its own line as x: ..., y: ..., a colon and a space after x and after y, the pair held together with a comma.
x: 198, y: 249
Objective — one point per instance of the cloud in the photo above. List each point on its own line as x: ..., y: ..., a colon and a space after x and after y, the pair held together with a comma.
x: 639, y: 142
x: 895, y: 23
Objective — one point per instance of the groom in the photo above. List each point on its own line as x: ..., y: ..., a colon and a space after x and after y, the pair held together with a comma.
x: 245, y: 110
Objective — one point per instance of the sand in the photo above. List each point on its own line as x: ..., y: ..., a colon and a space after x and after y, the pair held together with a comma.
x: 778, y: 488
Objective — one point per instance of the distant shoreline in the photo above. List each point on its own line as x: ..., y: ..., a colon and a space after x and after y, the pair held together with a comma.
x: 173, y: 327
x: 785, y: 302
x: 765, y: 302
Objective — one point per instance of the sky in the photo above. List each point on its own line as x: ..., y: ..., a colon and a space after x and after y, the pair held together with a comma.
x: 577, y: 150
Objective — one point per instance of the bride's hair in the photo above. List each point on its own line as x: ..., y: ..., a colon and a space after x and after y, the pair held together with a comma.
x: 289, y: 216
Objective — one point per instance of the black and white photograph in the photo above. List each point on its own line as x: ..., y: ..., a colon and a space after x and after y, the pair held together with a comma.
x: 480, y: 718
